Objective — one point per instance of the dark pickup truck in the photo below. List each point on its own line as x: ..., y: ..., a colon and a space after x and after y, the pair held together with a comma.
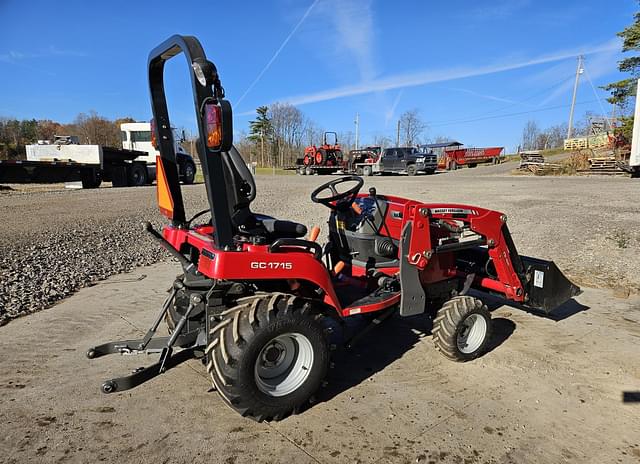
x: 407, y: 160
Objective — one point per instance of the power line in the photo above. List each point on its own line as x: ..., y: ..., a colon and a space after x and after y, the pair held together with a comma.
x: 511, y: 105
x: 506, y: 115
x: 604, y: 114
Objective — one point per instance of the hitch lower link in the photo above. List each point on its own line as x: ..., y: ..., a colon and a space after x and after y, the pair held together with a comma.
x: 149, y: 345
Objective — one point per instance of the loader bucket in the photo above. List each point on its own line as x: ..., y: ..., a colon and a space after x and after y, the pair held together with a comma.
x: 546, y: 286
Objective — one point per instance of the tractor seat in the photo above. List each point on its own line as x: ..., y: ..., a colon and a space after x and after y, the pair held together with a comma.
x: 241, y: 191
x: 284, y: 229
x: 276, y: 228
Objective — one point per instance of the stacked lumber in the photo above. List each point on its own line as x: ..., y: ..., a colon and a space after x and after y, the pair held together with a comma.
x: 534, y: 162
x: 603, y: 162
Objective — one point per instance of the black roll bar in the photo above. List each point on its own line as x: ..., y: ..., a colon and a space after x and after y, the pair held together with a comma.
x: 210, y: 159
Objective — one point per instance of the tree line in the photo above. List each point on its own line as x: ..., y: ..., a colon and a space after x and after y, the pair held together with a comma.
x: 90, y: 128
x: 280, y: 132
x: 536, y: 138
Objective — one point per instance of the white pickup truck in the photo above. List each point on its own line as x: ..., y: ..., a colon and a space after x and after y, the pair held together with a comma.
x: 65, y: 160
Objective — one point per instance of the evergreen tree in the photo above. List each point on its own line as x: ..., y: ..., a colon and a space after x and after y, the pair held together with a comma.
x: 261, y: 131
x: 623, y: 91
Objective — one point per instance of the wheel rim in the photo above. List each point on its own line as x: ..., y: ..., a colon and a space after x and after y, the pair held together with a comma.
x: 472, y: 333
x: 283, y: 364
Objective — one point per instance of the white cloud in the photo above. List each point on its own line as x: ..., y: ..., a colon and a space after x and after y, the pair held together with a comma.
x: 389, y: 114
x: 354, y: 33
x: 278, y: 51
x: 13, y: 56
x: 399, y: 81
x: 486, y: 96
x: 597, y: 66
x: 499, y: 9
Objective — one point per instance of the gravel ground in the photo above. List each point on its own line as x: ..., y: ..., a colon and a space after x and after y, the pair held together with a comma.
x: 55, y: 242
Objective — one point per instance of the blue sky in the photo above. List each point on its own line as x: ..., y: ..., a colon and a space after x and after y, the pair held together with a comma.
x: 476, y: 70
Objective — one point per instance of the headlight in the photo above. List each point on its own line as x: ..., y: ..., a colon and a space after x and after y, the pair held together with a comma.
x: 420, y: 160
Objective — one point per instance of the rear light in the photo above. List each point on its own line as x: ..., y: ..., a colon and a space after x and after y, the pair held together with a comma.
x: 154, y: 137
x: 213, y: 115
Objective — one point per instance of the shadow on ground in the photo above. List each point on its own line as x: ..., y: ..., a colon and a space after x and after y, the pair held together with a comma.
x: 386, y: 344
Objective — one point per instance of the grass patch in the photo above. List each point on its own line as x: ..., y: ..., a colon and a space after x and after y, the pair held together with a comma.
x: 276, y: 171
x: 199, y: 179
x: 552, y: 151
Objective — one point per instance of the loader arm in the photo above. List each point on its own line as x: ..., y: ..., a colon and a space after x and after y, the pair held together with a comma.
x: 533, y: 282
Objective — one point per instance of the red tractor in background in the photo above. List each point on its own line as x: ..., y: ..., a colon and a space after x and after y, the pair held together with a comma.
x: 325, y: 159
x: 258, y: 298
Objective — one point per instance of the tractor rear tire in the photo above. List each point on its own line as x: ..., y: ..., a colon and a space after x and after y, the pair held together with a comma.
x: 321, y: 157
x: 268, y: 356
x: 462, y: 328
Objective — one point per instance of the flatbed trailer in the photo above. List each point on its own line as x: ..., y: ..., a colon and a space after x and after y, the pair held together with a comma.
x: 117, y: 165
x: 314, y: 169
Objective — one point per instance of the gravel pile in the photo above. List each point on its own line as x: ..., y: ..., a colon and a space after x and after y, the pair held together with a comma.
x: 53, y: 243
x: 58, y: 242
x: 37, y: 275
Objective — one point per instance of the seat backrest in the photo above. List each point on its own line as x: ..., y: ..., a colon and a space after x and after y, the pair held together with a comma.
x: 241, y: 187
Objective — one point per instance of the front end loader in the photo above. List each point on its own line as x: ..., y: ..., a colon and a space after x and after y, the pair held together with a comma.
x: 257, y: 296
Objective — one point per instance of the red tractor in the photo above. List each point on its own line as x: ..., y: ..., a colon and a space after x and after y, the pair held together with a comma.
x: 327, y: 158
x: 256, y: 294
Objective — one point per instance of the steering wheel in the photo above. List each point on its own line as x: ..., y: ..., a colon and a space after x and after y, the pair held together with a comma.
x: 345, y: 197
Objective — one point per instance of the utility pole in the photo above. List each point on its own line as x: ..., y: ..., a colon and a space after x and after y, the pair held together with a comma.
x: 357, y: 121
x: 398, y: 134
x: 579, y: 71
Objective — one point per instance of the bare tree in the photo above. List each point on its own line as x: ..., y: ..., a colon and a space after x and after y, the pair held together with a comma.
x: 411, y: 127
x: 312, y: 133
x: 95, y: 129
x: 556, y: 135
x: 381, y: 140
x: 47, y: 129
x: 530, y: 135
x: 346, y: 141
x: 288, y: 123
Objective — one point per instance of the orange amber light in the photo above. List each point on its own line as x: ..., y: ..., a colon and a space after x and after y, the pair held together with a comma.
x: 213, y: 114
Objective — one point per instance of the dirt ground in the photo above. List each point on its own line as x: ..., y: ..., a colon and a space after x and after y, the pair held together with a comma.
x: 548, y: 391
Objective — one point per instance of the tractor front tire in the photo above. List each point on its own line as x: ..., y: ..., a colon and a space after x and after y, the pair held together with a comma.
x: 462, y: 328
x: 268, y: 356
